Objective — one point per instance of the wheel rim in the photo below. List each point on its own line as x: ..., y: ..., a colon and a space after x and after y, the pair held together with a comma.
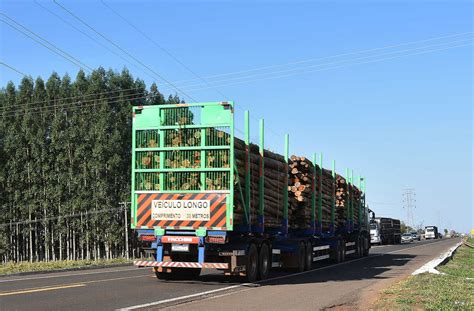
x: 264, y: 267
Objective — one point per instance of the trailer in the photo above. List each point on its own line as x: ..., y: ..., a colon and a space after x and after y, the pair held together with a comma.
x: 191, y: 224
x: 384, y: 230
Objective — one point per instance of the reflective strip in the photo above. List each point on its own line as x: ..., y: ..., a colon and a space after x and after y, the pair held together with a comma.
x: 350, y: 243
x: 275, y: 265
x: 276, y: 251
x: 318, y: 248
x: 351, y: 251
x: 321, y: 257
x: 177, y: 264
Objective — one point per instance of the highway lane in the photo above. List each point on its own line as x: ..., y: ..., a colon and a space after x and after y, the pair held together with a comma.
x: 113, y: 288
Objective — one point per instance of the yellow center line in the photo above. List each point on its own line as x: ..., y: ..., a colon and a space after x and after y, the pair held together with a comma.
x: 62, y: 286
x: 40, y: 289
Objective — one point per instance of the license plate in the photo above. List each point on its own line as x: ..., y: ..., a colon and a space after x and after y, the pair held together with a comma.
x: 180, y: 247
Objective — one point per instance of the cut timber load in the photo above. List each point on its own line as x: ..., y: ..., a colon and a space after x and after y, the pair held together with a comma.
x: 303, y: 178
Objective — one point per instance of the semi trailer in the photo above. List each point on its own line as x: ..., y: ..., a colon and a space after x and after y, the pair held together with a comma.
x: 384, y: 230
x: 202, y: 202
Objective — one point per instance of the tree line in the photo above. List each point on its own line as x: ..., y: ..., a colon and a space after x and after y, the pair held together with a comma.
x: 65, y: 157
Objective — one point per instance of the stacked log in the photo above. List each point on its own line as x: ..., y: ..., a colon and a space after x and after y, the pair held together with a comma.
x: 300, y: 186
x: 274, y: 182
x: 341, y: 200
x: 299, y: 176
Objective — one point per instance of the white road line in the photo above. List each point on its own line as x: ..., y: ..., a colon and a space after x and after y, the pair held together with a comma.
x: 78, y: 273
x: 165, y: 301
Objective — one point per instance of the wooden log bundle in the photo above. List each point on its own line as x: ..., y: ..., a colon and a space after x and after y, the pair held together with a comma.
x: 300, y: 187
x: 274, y: 177
x: 300, y: 176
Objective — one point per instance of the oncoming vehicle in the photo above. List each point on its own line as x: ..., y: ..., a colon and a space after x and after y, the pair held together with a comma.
x: 407, y: 238
x: 431, y: 232
x: 384, y: 230
x: 415, y: 235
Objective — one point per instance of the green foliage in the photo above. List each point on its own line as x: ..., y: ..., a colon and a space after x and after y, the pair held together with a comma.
x: 65, y: 158
x: 452, y: 291
x: 20, y: 267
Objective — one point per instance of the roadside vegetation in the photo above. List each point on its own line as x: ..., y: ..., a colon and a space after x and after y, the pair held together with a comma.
x: 12, y: 268
x: 451, y: 291
x: 65, y: 165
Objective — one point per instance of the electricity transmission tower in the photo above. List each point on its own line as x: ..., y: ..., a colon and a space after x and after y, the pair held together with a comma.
x: 409, y: 205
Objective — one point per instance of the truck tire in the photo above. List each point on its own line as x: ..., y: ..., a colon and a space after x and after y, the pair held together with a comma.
x: 179, y: 274
x: 309, y: 256
x: 301, y: 257
x: 343, y: 250
x: 336, y: 254
x: 360, y: 247
x: 251, y: 266
x: 366, y: 247
x: 264, y: 262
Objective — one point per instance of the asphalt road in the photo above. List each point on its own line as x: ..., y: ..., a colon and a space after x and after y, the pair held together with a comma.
x: 124, y: 287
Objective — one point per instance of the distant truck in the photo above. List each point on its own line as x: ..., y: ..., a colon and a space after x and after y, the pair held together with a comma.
x: 385, y: 230
x: 431, y: 232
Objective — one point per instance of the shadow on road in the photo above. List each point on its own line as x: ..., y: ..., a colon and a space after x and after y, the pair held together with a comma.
x: 352, y: 270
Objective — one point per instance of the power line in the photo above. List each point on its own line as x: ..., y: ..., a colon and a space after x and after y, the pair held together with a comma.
x: 80, y: 96
x: 94, y: 40
x: 13, y: 69
x: 167, y: 52
x: 122, y: 49
x: 333, y: 56
x: 334, y: 63
x: 47, y: 44
x: 75, y: 105
x: 330, y: 68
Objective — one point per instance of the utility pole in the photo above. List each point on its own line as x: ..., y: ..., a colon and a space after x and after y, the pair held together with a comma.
x: 125, y: 204
x: 409, y: 204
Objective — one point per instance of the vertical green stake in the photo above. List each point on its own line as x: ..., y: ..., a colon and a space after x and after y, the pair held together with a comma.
x: 347, y: 203
x: 333, y: 200
x: 247, y: 166
x: 261, y: 185
x: 161, y: 138
x: 285, y: 186
x: 351, y: 198
x: 359, y: 207
x: 313, y: 196
x: 320, y: 197
x: 132, y: 199
x: 203, y: 161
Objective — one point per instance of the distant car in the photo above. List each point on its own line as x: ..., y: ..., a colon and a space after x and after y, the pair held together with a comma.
x: 407, y: 238
x: 416, y: 236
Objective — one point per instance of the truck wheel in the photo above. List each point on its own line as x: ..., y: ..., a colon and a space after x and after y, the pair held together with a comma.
x: 179, y: 274
x: 251, y: 267
x: 164, y: 275
x: 360, y: 246
x: 264, y: 262
x: 309, y: 256
x: 366, y: 247
x: 343, y: 251
x: 301, y: 258
x: 336, y: 253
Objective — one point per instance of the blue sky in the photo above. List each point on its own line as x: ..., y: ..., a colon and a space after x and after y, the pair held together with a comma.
x: 401, y: 116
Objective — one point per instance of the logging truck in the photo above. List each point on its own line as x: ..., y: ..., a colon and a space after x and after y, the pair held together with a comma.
x: 204, y: 199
